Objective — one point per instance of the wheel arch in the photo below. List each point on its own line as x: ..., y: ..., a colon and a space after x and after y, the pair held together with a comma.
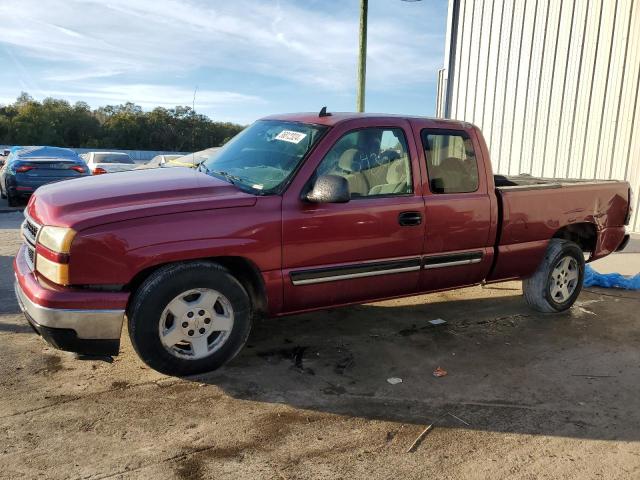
x: 243, y: 269
x: 584, y: 234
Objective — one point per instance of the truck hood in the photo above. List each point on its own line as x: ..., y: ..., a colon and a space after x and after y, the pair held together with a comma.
x: 90, y: 201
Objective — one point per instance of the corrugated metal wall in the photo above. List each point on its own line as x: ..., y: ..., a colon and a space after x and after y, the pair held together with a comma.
x: 553, y: 84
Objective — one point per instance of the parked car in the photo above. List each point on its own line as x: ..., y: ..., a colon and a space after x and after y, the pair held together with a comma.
x: 28, y: 168
x: 299, y: 212
x: 160, y: 161
x: 190, y: 160
x: 108, y: 162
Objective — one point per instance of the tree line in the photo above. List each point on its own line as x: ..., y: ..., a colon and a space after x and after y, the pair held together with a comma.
x: 58, y: 123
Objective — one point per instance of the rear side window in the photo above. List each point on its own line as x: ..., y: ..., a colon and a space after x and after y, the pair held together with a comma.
x: 451, y: 161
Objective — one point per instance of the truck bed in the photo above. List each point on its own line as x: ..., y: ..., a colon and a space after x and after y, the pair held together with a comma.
x: 533, y: 210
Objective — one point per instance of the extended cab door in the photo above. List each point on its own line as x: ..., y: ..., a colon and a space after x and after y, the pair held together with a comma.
x: 459, y: 210
x: 369, y: 247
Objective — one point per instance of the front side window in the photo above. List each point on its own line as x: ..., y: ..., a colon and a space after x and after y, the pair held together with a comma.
x: 263, y: 156
x: 451, y: 161
x: 375, y: 161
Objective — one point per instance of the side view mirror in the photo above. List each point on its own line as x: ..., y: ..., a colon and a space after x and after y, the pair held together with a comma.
x: 329, y: 189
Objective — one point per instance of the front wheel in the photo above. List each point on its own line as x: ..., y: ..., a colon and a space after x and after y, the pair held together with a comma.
x: 189, y: 318
x: 12, y: 200
x: 555, y: 286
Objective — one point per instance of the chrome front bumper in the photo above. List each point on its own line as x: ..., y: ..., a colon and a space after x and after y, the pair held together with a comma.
x: 87, y: 324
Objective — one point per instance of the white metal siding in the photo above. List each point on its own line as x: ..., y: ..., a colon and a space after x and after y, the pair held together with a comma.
x: 553, y: 85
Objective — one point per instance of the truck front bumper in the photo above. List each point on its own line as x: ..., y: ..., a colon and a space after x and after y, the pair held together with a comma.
x: 88, y: 331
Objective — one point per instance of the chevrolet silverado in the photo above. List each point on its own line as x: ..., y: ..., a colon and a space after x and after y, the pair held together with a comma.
x: 299, y: 212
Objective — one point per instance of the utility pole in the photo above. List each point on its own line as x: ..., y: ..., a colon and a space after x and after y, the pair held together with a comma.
x: 362, y: 64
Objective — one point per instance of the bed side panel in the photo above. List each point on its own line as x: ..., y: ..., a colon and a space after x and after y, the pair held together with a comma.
x: 531, y: 217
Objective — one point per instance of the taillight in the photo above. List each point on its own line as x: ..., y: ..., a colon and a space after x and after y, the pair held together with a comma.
x: 24, y: 168
x: 99, y: 171
x: 627, y: 219
x: 78, y: 169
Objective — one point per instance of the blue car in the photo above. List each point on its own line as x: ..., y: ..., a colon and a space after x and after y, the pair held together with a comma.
x: 27, y: 168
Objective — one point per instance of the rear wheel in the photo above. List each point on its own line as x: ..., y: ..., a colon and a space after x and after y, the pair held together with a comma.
x: 555, y: 286
x: 189, y: 318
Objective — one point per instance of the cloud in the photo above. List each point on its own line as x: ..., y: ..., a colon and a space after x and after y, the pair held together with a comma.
x: 306, y: 45
x: 90, y: 46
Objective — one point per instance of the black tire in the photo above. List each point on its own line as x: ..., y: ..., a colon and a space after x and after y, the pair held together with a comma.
x: 12, y: 200
x: 537, y: 289
x: 155, y: 293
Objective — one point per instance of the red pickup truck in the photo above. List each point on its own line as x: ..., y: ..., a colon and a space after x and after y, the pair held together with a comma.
x: 299, y: 212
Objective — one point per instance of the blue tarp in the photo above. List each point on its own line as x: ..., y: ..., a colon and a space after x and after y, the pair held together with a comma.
x: 610, y: 280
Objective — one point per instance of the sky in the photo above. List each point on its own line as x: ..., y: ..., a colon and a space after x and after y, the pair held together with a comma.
x: 246, y: 58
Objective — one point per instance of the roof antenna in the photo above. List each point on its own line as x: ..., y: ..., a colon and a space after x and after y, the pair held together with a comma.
x: 323, y: 112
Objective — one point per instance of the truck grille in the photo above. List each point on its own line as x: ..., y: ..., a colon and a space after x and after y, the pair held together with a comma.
x: 30, y: 230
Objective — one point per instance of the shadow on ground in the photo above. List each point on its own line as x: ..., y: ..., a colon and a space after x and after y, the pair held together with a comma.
x: 509, y: 369
x: 8, y: 303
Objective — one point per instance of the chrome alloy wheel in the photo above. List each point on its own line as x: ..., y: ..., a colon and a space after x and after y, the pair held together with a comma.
x: 564, y: 279
x: 196, y: 323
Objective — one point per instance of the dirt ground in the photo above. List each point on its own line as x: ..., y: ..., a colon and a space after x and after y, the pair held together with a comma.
x: 535, y: 396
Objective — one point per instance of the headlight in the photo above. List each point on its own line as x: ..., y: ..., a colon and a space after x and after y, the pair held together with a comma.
x: 57, y: 239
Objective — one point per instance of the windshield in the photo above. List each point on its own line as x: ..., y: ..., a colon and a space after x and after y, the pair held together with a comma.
x: 112, y: 158
x: 263, y: 155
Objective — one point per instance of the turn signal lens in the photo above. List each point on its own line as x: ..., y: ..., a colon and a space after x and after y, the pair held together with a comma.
x: 99, y: 171
x: 57, y: 239
x: 56, y: 272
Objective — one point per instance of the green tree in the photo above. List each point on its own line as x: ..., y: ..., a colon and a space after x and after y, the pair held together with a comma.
x: 56, y: 122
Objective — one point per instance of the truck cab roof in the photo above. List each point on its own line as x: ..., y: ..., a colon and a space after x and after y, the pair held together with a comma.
x: 335, y: 118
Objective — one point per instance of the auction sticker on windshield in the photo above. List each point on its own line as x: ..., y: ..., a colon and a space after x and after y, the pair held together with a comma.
x: 290, y: 136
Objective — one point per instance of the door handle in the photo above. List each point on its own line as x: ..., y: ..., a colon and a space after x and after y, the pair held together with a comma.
x: 408, y: 219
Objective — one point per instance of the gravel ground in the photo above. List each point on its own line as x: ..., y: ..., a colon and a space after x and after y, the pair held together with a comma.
x: 535, y: 396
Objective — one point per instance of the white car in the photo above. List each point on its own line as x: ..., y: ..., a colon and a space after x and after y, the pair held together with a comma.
x: 108, y: 162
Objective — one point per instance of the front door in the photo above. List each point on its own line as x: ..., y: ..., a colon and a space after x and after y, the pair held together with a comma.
x: 369, y: 247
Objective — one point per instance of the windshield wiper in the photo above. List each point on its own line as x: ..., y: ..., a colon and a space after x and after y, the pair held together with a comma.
x: 232, y: 179
x: 227, y: 176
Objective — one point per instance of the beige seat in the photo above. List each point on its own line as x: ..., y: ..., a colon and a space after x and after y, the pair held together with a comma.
x: 379, y: 180
x: 349, y: 164
x: 395, y: 178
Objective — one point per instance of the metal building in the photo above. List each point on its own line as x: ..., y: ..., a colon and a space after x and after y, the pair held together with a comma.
x: 552, y: 83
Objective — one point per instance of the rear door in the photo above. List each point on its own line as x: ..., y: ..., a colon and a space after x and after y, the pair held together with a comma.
x: 370, y: 247
x: 458, y: 209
